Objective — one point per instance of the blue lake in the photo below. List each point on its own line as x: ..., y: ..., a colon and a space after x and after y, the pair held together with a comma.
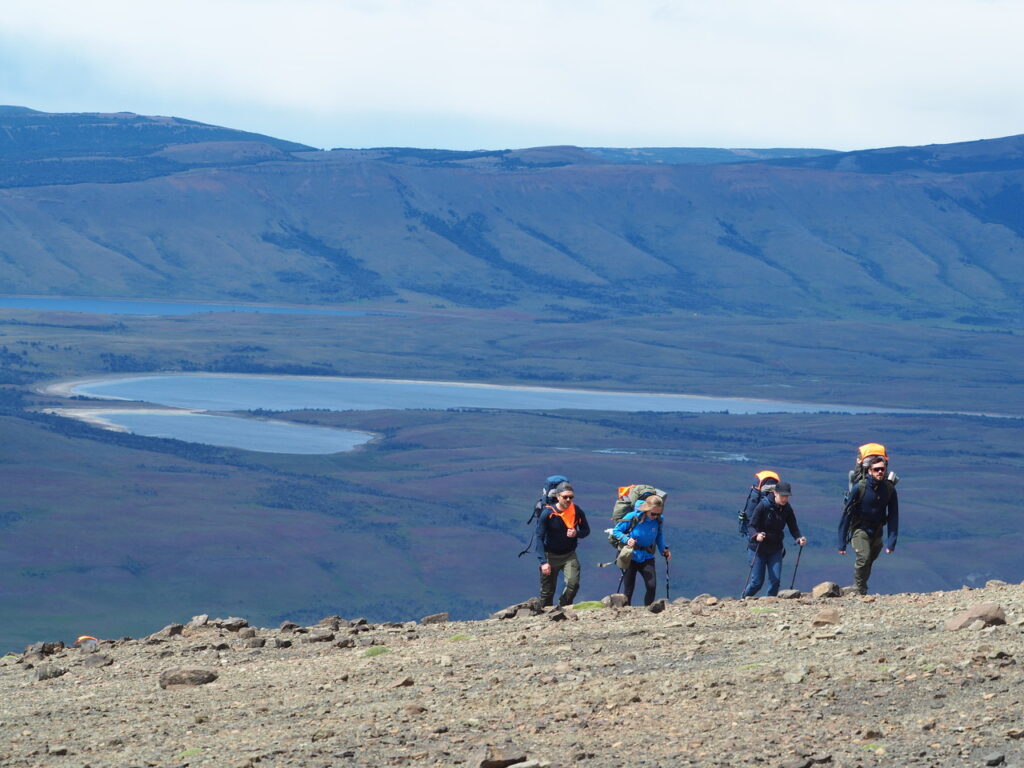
x: 146, y: 307
x: 222, y: 393
x: 210, y: 392
x: 233, y: 432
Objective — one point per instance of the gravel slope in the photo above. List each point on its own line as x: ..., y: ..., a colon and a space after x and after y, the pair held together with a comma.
x: 705, y: 682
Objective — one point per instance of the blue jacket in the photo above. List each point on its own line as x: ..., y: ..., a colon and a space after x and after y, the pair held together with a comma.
x: 877, y: 507
x: 647, y: 533
x: 771, y: 520
x: 550, y: 533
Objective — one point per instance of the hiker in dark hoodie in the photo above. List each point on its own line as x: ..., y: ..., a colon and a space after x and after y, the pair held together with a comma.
x: 559, y: 528
x: 873, y: 506
x: 766, y: 532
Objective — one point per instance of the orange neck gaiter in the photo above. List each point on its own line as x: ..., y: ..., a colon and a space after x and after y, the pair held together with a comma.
x: 568, y: 515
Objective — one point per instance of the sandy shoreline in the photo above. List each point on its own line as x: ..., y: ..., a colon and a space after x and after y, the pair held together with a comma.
x: 95, y: 416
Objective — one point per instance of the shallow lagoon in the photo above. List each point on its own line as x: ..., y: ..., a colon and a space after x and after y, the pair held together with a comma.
x: 213, y: 392
x: 232, y: 432
x: 220, y: 393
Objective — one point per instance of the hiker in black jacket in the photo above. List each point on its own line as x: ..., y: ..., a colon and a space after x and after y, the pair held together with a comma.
x: 873, y: 506
x: 765, y: 532
x: 559, y: 528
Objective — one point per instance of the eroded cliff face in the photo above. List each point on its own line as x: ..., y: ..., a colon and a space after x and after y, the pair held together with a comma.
x: 795, y: 682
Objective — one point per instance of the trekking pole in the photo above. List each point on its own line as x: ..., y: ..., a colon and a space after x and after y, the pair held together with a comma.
x: 796, y: 566
x: 668, y: 583
x: 751, y: 571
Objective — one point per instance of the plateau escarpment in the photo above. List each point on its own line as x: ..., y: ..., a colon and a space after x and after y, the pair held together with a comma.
x: 847, y: 681
x: 129, y: 206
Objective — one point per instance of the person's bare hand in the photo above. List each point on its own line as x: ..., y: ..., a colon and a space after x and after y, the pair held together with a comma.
x: 571, y: 533
x: 630, y: 542
x: 546, y: 569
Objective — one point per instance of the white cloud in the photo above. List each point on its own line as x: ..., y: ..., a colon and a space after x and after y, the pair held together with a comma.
x: 839, y: 73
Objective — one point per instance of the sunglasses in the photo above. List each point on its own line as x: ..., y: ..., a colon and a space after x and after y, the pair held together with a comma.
x: 567, y: 497
x: 877, y: 469
x: 656, y: 514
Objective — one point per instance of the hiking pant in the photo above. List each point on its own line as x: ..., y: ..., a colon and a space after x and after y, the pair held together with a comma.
x: 571, y: 565
x: 650, y: 574
x: 867, y: 548
x: 771, y: 563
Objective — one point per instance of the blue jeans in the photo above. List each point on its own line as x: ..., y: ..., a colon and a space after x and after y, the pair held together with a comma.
x: 773, y: 565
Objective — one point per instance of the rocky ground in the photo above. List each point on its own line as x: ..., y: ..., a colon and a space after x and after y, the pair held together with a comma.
x: 833, y: 681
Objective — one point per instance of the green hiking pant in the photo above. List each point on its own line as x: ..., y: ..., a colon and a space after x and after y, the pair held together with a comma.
x: 867, y: 548
x: 570, y: 564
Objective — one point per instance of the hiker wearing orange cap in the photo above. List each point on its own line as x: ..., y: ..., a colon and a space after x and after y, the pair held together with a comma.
x: 767, y: 535
x: 872, y: 506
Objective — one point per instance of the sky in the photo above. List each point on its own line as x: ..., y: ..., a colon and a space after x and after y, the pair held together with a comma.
x: 495, y: 74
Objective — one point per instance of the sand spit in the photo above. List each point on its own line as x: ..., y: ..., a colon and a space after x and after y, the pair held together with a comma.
x: 847, y: 681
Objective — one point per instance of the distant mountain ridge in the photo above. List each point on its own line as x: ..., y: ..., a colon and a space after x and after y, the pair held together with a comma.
x: 125, y: 205
x: 41, y: 148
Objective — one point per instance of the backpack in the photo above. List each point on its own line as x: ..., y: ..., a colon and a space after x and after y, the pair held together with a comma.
x: 547, y: 496
x: 867, y: 454
x: 760, y: 490
x: 629, y: 495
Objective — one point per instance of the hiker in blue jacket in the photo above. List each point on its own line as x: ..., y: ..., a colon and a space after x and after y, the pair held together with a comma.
x: 642, y: 530
x: 873, y: 506
x: 765, y: 533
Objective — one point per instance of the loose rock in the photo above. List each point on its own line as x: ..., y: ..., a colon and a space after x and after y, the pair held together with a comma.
x: 492, y: 756
x: 95, y: 660
x: 618, y: 600
x: 989, y: 613
x: 186, y: 677
x: 826, y: 617
x: 48, y: 671
x: 658, y: 606
x: 826, y: 589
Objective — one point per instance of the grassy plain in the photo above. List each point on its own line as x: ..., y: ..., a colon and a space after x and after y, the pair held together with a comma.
x: 111, y: 535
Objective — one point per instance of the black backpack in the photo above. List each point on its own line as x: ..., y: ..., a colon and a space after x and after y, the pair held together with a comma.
x: 758, y: 492
x: 547, y: 496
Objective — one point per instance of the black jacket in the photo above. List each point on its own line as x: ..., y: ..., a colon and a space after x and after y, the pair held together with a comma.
x: 873, y: 504
x: 551, y: 534
x: 771, y: 519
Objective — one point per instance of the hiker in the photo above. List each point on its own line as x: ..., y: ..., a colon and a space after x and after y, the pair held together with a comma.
x: 873, y: 505
x: 765, y: 484
x: 642, y: 531
x: 766, y: 536
x: 559, y: 528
